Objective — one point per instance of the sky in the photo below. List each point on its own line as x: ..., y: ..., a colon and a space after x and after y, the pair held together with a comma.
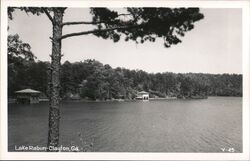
x: 213, y: 46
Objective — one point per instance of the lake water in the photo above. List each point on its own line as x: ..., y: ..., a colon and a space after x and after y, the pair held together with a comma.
x: 204, y: 125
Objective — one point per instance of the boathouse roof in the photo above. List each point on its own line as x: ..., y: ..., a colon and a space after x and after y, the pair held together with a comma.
x: 142, y: 92
x: 28, y: 91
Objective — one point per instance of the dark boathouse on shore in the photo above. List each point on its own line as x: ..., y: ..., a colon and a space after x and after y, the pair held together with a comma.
x: 27, y: 96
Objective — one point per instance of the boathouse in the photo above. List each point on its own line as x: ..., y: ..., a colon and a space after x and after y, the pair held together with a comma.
x: 27, y: 96
x: 142, y: 95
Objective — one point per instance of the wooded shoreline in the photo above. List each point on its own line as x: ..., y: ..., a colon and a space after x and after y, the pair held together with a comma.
x: 92, y: 80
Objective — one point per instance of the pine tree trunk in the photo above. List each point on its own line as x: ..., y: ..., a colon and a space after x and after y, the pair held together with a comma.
x: 54, y: 110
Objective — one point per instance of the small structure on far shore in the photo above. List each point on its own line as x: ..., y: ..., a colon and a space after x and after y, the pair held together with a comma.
x: 142, y: 95
x: 27, y: 96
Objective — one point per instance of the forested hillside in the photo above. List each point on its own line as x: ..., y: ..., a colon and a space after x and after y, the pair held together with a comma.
x: 94, y: 80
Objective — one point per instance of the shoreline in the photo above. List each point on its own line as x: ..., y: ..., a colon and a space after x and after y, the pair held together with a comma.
x: 11, y: 101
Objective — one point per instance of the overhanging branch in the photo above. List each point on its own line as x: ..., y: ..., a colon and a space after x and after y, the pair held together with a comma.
x: 88, y: 23
x: 124, y: 14
x: 80, y: 22
x: 88, y: 32
x: 96, y: 31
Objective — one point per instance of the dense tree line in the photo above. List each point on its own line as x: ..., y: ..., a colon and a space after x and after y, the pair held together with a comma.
x: 94, y: 80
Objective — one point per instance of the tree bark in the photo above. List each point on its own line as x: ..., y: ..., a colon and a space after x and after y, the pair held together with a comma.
x: 54, y: 110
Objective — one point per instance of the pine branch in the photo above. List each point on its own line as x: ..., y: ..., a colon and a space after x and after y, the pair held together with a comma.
x: 88, y: 23
x: 101, y: 30
x: 125, y: 14
x: 80, y: 22
x: 48, y: 15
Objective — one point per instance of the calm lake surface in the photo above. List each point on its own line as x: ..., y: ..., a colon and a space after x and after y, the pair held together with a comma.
x: 204, y: 125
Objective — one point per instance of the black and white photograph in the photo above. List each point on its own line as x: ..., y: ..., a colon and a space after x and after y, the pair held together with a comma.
x: 135, y: 79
